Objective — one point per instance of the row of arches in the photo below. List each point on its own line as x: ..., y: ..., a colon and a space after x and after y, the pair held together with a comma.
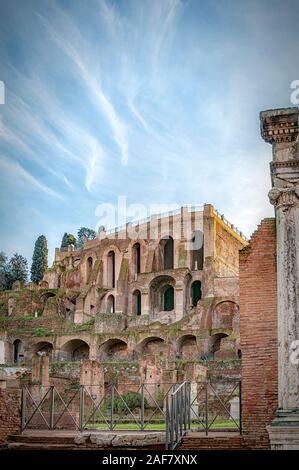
x: 185, y: 347
x: 162, y: 298
x: 165, y: 261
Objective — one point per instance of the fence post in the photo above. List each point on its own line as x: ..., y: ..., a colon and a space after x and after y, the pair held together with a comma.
x: 181, y: 406
x: 81, y: 401
x: 167, y: 423
x: 112, y: 407
x: 185, y: 406
x: 206, y: 409
x: 52, y: 406
x: 171, y: 421
x: 23, y: 408
x: 189, y: 405
x: 142, y: 407
x: 240, y: 407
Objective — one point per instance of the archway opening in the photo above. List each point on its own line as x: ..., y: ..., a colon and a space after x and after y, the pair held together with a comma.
x: 216, y: 342
x: 75, y: 349
x: 153, y: 346
x: 111, y: 304
x: 137, y: 302
x: 195, y: 292
x: 136, y: 258
x: 162, y: 294
x: 168, y: 299
x: 197, y: 255
x: 187, y: 347
x: 111, y: 269
x: 18, y: 350
x: 167, y: 245
x: 43, y: 348
x: 88, y: 267
x: 113, y: 349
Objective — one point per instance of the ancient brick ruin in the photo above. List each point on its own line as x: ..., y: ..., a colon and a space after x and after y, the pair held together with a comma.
x: 158, y: 296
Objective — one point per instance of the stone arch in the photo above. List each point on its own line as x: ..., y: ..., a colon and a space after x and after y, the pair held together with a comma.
x: 114, y: 349
x: 196, y: 292
x: 167, y: 252
x: 18, y: 351
x: 197, y: 250
x: 110, y: 268
x: 152, y: 346
x: 162, y: 294
x: 110, y: 304
x: 223, y: 315
x: 136, y: 258
x: 187, y: 347
x: 137, y: 302
x: 46, y: 295
x: 75, y: 349
x: 215, y: 342
x: 42, y: 348
x: 89, y: 264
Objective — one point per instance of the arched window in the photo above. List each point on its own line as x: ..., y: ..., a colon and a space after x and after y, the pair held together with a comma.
x: 18, y: 350
x: 111, y: 269
x: 88, y: 267
x: 167, y: 246
x: 111, y: 304
x: 137, y: 302
x: 195, y: 292
x: 197, y: 251
x: 168, y: 299
x: 136, y: 258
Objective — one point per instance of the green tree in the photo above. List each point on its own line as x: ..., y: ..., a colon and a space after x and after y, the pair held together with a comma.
x: 3, y: 271
x: 39, y: 259
x: 67, y: 240
x: 17, y: 270
x: 85, y: 233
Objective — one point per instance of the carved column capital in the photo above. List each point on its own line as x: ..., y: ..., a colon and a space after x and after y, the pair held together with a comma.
x: 284, y: 198
x: 279, y: 125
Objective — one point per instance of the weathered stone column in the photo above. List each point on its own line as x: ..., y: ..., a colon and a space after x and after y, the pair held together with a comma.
x: 280, y: 128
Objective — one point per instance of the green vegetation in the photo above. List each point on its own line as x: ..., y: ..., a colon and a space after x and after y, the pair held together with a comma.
x: 85, y: 233
x: 16, y: 269
x: 67, y: 240
x: 121, y: 403
x: 39, y: 259
x: 159, y: 425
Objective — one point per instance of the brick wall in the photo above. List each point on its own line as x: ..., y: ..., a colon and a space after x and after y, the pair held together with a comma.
x: 10, y: 418
x: 258, y: 331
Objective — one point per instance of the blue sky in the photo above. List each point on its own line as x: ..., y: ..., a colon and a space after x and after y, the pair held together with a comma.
x: 155, y: 100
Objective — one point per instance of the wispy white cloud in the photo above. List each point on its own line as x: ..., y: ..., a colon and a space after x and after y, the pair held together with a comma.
x: 92, y: 83
x: 15, y: 171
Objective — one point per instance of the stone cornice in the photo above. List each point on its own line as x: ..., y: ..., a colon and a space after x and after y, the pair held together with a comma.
x: 286, y: 164
x: 279, y: 125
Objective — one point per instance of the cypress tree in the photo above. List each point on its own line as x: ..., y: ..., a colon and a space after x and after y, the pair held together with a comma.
x: 39, y: 259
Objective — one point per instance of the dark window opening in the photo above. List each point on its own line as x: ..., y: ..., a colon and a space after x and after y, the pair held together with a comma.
x: 168, y: 299
x: 197, y: 251
x: 136, y: 258
x: 137, y: 302
x: 168, y: 254
x: 196, y: 292
x: 111, y: 269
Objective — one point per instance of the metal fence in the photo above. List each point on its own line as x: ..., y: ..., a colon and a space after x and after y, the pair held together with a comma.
x: 172, y: 408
